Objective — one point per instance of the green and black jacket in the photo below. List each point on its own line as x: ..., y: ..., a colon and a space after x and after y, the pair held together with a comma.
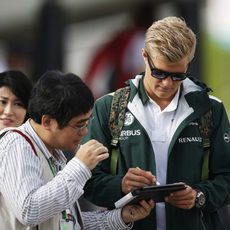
x: 185, y: 155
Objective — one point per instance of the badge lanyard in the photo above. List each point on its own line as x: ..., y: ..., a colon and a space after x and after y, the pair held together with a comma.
x: 68, y: 220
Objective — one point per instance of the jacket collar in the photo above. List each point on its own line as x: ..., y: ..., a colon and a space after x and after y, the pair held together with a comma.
x: 137, y: 86
x: 194, y: 91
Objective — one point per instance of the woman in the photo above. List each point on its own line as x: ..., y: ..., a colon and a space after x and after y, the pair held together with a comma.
x: 15, y: 88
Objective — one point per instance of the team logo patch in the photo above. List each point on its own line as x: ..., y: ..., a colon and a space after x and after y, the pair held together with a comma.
x: 227, y: 137
x: 129, y: 118
x: 189, y: 139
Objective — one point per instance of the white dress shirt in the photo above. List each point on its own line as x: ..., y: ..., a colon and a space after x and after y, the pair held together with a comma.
x: 32, y: 200
x: 160, y: 123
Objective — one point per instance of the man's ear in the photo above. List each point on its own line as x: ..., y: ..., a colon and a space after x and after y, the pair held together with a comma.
x: 144, y: 54
x: 47, y: 122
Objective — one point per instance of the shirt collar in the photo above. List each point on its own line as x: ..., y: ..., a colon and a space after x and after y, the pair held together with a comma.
x: 145, y: 98
x: 40, y: 144
x: 174, y: 103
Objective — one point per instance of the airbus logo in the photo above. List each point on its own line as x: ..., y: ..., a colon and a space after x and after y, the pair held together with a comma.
x: 227, y: 137
x: 128, y: 133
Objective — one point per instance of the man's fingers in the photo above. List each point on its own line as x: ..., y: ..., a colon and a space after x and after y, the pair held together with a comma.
x: 102, y: 156
x: 91, y: 153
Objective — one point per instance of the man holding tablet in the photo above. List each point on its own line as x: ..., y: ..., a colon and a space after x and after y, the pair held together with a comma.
x: 166, y: 117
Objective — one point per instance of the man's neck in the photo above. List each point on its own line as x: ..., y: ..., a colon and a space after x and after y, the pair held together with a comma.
x: 42, y: 133
x: 162, y: 102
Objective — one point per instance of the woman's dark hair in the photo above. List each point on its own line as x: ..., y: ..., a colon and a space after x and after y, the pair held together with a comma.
x: 18, y: 83
x: 61, y: 96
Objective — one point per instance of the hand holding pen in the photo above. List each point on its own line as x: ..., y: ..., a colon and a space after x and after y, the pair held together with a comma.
x: 137, y: 178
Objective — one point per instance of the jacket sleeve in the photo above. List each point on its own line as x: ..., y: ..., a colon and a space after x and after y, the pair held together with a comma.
x: 217, y: 188
x: 103, y: 189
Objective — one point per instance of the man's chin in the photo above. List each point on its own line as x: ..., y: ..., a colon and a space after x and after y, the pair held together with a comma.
x: 166, y: 94
x: 75, y: 148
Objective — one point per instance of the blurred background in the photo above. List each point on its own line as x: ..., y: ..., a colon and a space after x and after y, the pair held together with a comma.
x: 101, y: 40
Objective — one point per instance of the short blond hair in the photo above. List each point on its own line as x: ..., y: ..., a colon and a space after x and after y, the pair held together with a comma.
x: 171, y: 39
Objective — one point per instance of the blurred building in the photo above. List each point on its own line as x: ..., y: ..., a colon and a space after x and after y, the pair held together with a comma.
x: 101, y: 40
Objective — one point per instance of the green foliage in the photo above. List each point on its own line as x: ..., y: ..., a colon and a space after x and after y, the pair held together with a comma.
x: 216, y: 71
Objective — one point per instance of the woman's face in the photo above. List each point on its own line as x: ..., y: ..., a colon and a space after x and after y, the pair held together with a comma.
x: 12, y: 112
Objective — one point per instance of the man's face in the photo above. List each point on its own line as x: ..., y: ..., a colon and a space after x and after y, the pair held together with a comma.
x: 69, y: 137
x: 163, y: 90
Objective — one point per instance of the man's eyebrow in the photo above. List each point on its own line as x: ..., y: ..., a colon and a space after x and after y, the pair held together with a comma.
x: 84, y: 119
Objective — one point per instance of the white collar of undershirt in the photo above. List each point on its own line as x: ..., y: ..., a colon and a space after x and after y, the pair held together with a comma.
x: 172, y: 106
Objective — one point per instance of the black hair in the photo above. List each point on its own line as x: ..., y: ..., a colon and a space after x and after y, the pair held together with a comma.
x: 61, y: 96
x: 19, y: 84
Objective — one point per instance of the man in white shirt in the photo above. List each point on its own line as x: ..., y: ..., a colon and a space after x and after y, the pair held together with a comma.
x: 38, y: 191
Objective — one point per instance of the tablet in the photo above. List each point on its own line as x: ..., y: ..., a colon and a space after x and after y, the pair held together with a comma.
x: 155, y: 192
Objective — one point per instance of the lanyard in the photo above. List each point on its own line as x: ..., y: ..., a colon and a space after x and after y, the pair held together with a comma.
x: 52, y: 167
x: 65, y: 215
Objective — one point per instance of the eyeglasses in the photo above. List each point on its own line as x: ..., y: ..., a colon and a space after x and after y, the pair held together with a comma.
x: 79, y: 129
x: 161, y: 74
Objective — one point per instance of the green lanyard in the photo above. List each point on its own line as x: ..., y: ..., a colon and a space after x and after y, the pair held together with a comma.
x: 64, y: 213
x: 52, y: 167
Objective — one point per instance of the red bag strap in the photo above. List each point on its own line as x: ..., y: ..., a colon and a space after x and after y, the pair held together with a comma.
x: 27, y: 139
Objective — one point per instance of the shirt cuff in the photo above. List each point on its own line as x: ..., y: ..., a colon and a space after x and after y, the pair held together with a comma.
x: 115, y: 220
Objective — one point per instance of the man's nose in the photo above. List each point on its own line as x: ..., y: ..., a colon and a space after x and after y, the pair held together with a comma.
x: 167, y: 81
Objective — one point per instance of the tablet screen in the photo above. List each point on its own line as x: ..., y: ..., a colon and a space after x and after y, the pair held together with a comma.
x: 157, y: 193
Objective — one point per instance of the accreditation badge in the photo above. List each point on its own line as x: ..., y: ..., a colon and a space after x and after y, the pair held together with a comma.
x: 64, y: 225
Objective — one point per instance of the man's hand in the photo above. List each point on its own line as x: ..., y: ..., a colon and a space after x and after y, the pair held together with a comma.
x: 184, y: 199
x: 91, y: 153
x: 131, y: 213
x: 136, y: 178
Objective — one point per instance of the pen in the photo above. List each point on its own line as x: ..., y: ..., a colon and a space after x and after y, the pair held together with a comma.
x: 155, y: 182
